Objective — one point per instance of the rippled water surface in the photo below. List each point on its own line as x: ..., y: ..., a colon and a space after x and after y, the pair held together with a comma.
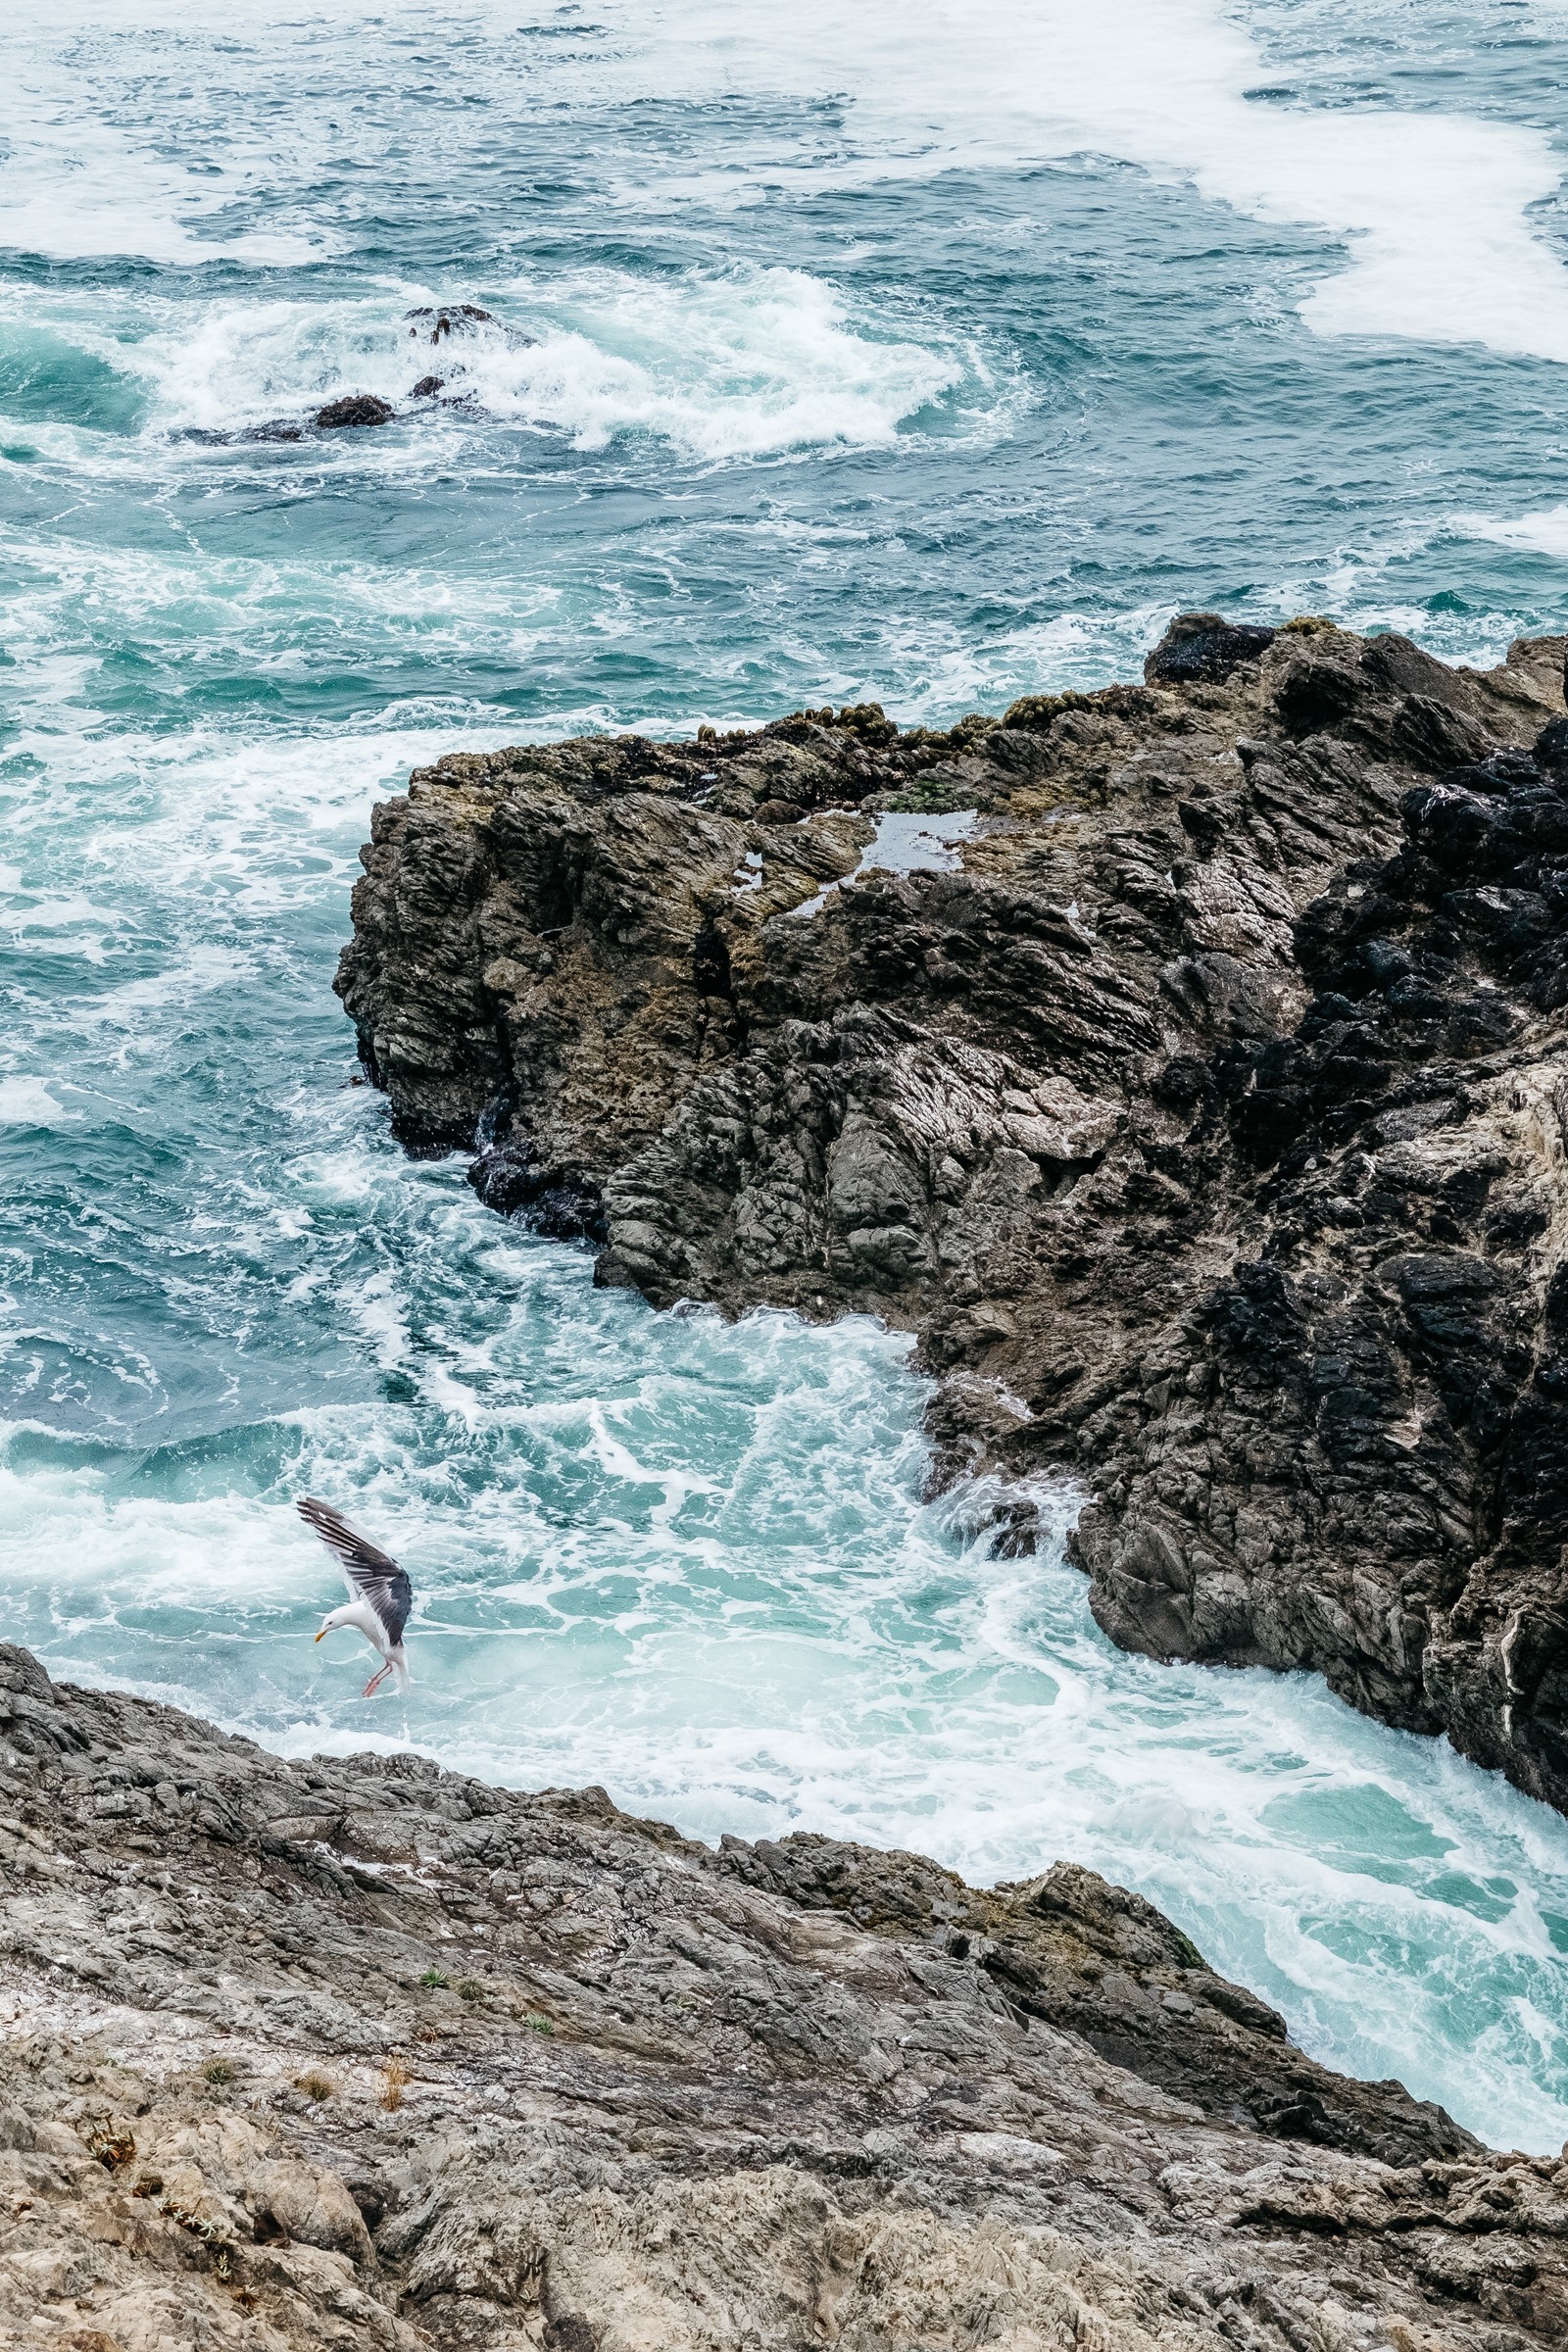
x: 935, y: 354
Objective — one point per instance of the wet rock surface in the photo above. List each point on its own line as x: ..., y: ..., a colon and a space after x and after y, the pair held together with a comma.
x: 1207, y: 1121
x: 355, y: 2053
x: 353, y: 409
x: 435, y: 324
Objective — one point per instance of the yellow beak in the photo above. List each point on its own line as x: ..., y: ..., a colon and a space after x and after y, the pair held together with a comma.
x: 321, y: 1635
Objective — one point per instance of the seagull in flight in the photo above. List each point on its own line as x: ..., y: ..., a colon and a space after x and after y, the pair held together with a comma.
x: 382, y: 1595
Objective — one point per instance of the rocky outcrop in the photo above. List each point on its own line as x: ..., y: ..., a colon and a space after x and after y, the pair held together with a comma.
x: 1205, y: 1118
x: 356, y: 2053
x: 355, y: 409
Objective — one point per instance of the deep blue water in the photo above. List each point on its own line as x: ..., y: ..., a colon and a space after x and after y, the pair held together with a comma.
x: 935, y: 355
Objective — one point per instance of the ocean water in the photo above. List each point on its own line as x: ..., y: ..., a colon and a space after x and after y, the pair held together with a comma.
x: 933, y: 353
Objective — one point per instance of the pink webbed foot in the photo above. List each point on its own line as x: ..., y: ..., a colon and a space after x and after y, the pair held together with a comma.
x: 374, y: 1683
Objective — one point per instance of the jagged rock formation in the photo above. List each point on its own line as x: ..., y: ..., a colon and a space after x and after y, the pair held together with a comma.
x: 1206, y: 1122
x: 356, y: 2053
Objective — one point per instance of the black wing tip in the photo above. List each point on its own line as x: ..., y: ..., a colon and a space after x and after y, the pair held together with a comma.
x: 326, y: 1521
x: 362, y: 1560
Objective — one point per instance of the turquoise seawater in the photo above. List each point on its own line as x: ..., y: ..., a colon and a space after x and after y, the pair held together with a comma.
x: 930, y: 353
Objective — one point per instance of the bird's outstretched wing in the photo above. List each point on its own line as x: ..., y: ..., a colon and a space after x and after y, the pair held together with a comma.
x: 371, y: 1574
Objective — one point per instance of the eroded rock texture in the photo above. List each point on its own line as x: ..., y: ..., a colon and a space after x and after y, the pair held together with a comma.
x: 1208, y: 1123
x: 355, y: 2053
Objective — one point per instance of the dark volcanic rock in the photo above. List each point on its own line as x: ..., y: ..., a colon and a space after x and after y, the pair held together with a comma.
x: 1208, y: 1124
x: 427, y: 387
x: 1204, y: 646
x: 353, y: 2052
x: 507, y: 1179
x: 356, y: 410
x: 356, y: 407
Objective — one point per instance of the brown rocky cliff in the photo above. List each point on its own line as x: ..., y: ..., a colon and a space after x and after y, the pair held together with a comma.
x: 356, y: 2055
x: 1206, y: 1123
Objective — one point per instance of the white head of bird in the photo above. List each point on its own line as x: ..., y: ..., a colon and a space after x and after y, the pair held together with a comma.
x: 358, y: 1617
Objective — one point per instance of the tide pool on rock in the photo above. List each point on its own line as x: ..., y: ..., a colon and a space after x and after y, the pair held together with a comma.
x: 824, y: 401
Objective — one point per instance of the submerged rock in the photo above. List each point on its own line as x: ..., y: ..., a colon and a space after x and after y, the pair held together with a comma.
x: 455, y: 321
x: 450, y: 318
x: 357, y: 2052
x: 355, y: 409
x: 277, y: 428
x: 1207, y: 1121
x: 427, y: 387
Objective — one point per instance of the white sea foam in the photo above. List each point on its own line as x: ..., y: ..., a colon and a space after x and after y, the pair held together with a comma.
x: 76, y: 192
x: 57, y: 198
x: 233, y: 363
x: 1544, y: 531
x: 749, y: 364
x: 28, y: 1103
x: 1433, y: 206
x: 744, y: 364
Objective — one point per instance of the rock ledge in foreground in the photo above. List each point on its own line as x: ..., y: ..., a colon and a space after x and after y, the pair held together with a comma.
x: 358, y: 2053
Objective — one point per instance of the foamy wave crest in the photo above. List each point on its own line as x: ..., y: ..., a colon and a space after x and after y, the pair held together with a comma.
x: 747, y: 365
x: 240, y: 363
x: 28, y: 1102
x: 750, y: 364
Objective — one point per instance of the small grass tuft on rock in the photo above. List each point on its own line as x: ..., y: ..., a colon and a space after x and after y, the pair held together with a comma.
x: 435, y: 1979
x: 110, y: 2142
x: 315, y: 2085
x: 395, y: 2080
